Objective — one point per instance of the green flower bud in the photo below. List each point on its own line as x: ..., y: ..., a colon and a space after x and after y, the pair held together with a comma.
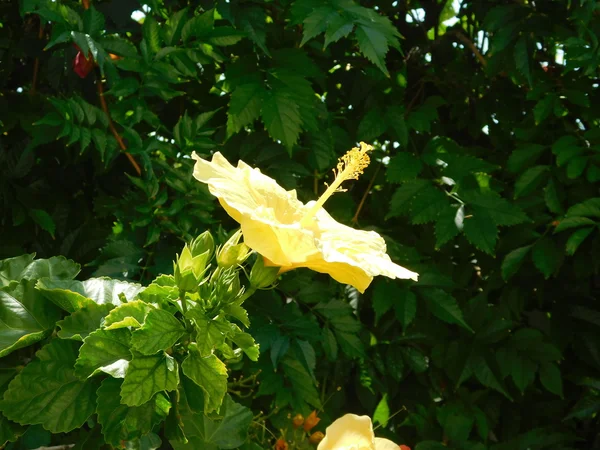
x: 262, y: 276
x: 190, y: 266
x: 203, y: 243
x: 233, y: 253
x: 227, y: 285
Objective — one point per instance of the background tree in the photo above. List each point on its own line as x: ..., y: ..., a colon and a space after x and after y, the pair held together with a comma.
x: 484, y: 180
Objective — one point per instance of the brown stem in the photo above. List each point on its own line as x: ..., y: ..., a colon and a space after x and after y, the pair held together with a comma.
x: 36, y: 63
x: 113, y: 130
x: 365, y: 195
x: 465, y: 40
x: 111, y: 125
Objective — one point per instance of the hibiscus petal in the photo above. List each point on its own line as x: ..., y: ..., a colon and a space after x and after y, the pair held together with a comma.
x: 349, y: 431
x: 385, y: 444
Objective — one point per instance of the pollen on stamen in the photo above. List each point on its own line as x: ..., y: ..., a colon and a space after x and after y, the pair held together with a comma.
x: 352, y: 164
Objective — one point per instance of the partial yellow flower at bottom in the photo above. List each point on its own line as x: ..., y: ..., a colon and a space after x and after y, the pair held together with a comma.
x: 352, y: 432
x: 291, y: 234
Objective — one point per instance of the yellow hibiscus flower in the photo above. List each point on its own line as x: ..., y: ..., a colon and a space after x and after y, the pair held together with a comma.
x: 291, y: 234
x: 352, y: 432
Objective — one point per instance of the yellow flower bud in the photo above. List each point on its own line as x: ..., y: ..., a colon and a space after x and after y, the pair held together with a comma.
x: 316, y: 437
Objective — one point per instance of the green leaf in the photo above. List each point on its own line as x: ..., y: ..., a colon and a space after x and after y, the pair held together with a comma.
x: 160, y: 331
x: 337, y: 28
x: 118, y: 46
x: 576, y: 239
x: 104, y: 351
x: 395, y: 119
x: 406, y: 307
x: 503, y: 212
x: 26, y: 268
x: 383, y: 298
x: 530, y: 180
x: 544, y: 108
x: 403, y: 196
x: 520, y: 367
x: 513, y: 262
x: 551, y: 378
x: 552, y: 197
x: 253, y: 23
x: 147, y: 375
x: 576, y: 167
x: 415, y: 359
x: 480, y: 366
x: 244, y: 106
x: 521, y: 55
x: 449, y: 223
x: 198, y: 26
x: 281, y: 117
x: 371, y: 126
x: 430, y: 445
x: 44, y: 220
x: 26, y: 316
x: 585, y: 408
x: 382, y: 412
x: 239, y: 313
x: 130, y: 314
x: 81, y: 323
x: 573, y: 222
x: 481, y: 231
x: 456, y: 421
x: 209, y: 373
x: 225, y: 36
x: 225, y: 432
x: 246, y: 343
x: 444, y: 306
x: 403, y: 167
x: 316, y: 22
x: 47, y: 392
x: 302, y: 385
x: 330, y: 345
x: 93, y: 21
x: 9, y: 430
x: 523, y: 156
x: 73, y: 295
x: 12, y: 268
x: 373, y: 44
x: 151, y: 33
x: 587, y: 208
x: 427, y: 204
x: 546, y: 256
x: 122, y: 423
x: 173, y: 27
x: 210, y: 332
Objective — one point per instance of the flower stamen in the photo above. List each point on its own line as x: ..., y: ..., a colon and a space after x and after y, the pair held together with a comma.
x: 349, y: 167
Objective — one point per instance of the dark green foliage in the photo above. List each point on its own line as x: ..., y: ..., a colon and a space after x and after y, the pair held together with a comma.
x: 484, y: 180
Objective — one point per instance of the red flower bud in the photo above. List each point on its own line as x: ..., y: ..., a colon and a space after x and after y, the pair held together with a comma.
x: 404, y: 447
x: 81, y: 65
